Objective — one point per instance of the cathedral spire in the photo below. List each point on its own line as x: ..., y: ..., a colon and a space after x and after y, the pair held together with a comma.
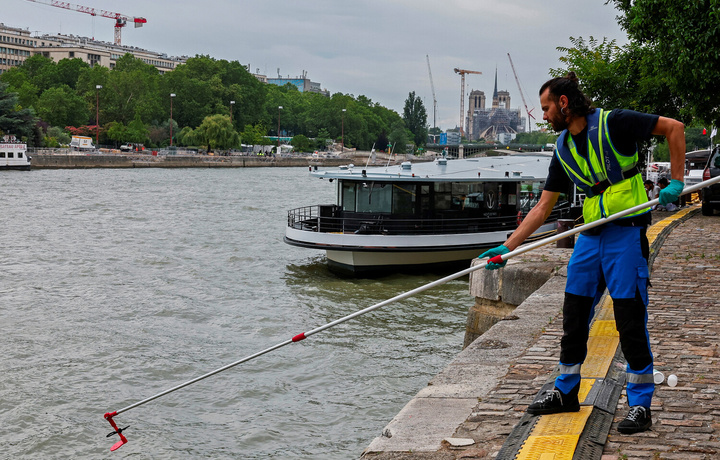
x: 495, y: 94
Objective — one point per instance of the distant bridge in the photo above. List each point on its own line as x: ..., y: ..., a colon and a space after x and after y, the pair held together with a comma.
x: 470, y: 150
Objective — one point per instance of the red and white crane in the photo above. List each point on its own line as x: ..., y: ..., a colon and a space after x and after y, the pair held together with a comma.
x: 121, y: 20
x: 522, y: 96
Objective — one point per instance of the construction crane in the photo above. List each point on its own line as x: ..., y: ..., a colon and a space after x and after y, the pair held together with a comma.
x: 120, y: 19
x: 522, y: 96
x: 462, y: 95
x: 432, y: 87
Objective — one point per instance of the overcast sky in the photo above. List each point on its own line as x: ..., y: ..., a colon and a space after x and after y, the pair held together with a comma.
x: 375, y: 48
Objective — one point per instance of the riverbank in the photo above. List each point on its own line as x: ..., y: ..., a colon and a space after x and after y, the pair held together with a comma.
x: 75, y: 160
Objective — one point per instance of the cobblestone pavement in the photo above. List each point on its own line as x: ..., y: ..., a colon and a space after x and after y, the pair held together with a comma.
x: 684, y: 326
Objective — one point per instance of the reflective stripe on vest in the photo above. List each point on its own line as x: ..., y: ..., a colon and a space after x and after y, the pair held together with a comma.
x: 603, y: 164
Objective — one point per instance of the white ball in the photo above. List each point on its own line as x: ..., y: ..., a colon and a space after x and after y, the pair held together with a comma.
x: 672, y: 380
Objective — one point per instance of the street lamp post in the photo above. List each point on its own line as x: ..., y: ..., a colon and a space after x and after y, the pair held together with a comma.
x: 342, y: 132
x: 232, y: 103
x: 278, y: 145
x: 172, y: 95
x: 97, y: 114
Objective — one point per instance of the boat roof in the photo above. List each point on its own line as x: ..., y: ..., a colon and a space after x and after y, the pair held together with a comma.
x: 496, y: 168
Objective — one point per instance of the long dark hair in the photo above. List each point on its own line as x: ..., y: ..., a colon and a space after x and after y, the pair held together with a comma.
x: 578, y: 103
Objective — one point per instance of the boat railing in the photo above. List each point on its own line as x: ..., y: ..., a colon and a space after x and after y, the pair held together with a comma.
x: 328, y: 219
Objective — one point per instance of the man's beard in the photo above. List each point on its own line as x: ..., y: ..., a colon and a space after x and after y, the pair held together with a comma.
x: 559, y: 122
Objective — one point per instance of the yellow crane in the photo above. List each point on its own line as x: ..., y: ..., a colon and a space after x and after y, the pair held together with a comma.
x: 462, y: 73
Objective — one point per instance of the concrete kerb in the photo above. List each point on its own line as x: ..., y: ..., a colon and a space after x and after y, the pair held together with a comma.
x: 435, y: 413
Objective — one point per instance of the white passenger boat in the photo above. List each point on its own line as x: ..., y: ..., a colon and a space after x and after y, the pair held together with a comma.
x: 13, y: 154
x: 418, y: 216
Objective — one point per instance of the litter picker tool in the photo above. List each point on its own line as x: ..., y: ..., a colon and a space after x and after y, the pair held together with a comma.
x: 297, y: 338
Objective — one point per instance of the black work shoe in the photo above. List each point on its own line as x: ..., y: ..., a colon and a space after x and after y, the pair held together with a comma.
x: 637, y: 420
x: 555, y: 402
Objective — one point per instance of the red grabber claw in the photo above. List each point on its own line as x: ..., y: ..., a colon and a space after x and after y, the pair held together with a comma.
x: 123, y: 440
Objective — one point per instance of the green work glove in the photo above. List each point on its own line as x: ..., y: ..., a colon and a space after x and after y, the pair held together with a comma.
x: 498, y: 251
x: 671, y: 192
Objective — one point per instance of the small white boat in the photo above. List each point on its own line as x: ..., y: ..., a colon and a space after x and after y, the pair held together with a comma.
x: 13, y: 154
x: 419, y: 216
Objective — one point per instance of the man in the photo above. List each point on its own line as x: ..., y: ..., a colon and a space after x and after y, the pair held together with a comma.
x: 662, y: 183
x: 597, y: 151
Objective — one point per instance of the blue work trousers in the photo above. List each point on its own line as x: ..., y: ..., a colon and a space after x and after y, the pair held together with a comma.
x: 615, y: 257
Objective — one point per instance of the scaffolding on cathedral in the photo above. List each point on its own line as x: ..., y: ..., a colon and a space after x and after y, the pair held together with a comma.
x: 490, y: 123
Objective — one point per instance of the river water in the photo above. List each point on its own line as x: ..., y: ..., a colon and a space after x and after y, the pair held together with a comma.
x: 116, y: 285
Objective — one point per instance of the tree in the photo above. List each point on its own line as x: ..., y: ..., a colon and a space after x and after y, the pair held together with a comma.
x: 55, y: 137
x: 137, y: 132
x: 253, y: 135
x: 681, y: 39
x: 415, y: 117
x: 216, y: 132
x: 15, y: 120
x: 669, y: 67
x: 300, y: 143
x: 61, y: 106
x: 398, y: 137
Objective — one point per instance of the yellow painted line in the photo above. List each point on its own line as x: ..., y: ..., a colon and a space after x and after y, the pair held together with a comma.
x: 604, y: 328
x: 600, y: 356
x: 548, y: 448
x: 567, y: 423
x: 585, y: 387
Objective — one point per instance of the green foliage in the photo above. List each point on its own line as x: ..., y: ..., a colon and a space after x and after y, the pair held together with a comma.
x: 136, y: 132
x: 301, y: 143
x: 681, y: 39
x: 55, y: 137
x: 186, y: 137
x: 253, y: 134
x: 694, y: 140
x: 669, y: 67
x: 398, y: 137
x: 535, y: 137
x: 134, y: 93
x: 216, y: 132
x: 15, y: 120
x: 61, y: 106
x: 116, y: 131
x: 415, y: 117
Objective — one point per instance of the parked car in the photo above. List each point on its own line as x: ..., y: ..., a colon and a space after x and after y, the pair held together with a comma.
x: 126, y: 147
x: 711, y: 194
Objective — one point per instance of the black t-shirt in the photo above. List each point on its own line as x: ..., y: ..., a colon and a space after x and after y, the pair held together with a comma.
x: 627, y: 128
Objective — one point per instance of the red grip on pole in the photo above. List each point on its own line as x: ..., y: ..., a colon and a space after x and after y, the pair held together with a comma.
x: 299, y: 337
x: 495, y: 260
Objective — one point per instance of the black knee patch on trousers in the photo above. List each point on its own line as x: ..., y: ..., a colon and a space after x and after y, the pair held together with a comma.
x: 576, y: 318
x: 630, y: 322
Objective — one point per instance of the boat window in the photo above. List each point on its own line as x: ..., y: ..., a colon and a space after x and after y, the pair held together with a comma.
x: 424, y: 199
x: 11, y: 155
x: 348, y: 196
x: 530, y: 194
x: 19, y: 154
x: 403, y: 199
x: 2, y: 154
x: 443, y: 195
x: 372, y: 197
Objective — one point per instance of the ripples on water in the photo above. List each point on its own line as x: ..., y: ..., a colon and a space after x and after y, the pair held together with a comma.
x: 119, y: 284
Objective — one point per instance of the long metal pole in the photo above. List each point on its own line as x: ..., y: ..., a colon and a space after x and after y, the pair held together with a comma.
x: 496, y: 259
